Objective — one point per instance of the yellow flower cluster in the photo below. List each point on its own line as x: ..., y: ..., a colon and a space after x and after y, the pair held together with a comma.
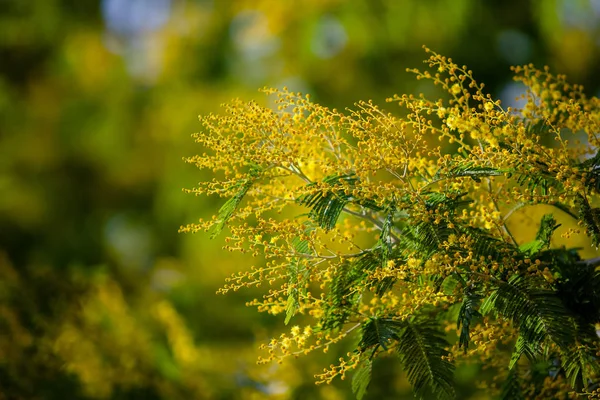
x: 312, y: 191
x: 339, y: 370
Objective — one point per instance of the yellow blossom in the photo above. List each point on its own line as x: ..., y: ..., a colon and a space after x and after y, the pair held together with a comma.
x: 379, y: 219
x: 456, y: 89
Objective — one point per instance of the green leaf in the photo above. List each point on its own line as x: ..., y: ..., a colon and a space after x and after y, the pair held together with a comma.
x: 422, y: 350
x: 378, y: 332
x: 576, y: 363
x: 590, y: 217
x: 326, y: 205
x: 369, y: 261
x: 362, y: 377
x: 445, y: 201
x: 580, y: 361
x: 383, y: 251
x: 592, y: 167
x: 475, y: 172
x: 536, y: 177
x: 485, y: 245
x: 228, y: 209
x: 385, y: 238
x: 467, y: 312
x: 522, y: 347
x: 297, y: 277
x: 537, y: 127
x: 578, y: 284
x: 537, y: 312
x: 343, y: 295
x: 425, y: 236
x: 542, y: 239
x: 581, y: 365
x: 547, y: 227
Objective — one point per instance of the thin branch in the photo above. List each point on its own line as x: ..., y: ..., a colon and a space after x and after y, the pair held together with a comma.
x: 497, y: 207
x: 371, y: 219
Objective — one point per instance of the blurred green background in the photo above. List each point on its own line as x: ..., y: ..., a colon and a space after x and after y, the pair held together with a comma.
x: 100, y: 297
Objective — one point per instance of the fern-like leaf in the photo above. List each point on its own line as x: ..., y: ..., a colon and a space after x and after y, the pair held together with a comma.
x: 468, y: 311
x: 537, y: 177
x: 343, y: 294
x: 362, y: 377
x: 385, y: 237
x: 537, y: 181
x: 542, y: 239
x: 422, y: 350
x: 475, y: 172
x: 228, y: 209
x: 425, y: 237
x: 297, y: 277
x: 580, y: 364
x: 369, y: 261
x: 580, y: 361
x: 523, y: 347
x: 445, y: 201
x: 578, y: 283
x: 590, y: 217
x: 537, y: 312
x: 485, y: 245
x: 379, y: 332
x: 592, y: 168
x: 327, y: 205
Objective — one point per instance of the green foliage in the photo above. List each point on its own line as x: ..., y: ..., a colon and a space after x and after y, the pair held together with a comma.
x: 297, y: 278
x: 536, y: 181
x: 485, y: 245
x: 592, y: 167
x: 523, y: 346
x: 590, y: 218
x: 581, y: 366
x: 469, y: 310
x: 470, y: 170
x: 228, y: 209
x: 380, y: 332
x: 327, y: 204
x: 342, y: 298
x: 362, y: 377
x: 537, y: 311
x: 422, y: 350
x: 542, y: 312
x: 542, y: 239
x: 425, y: 237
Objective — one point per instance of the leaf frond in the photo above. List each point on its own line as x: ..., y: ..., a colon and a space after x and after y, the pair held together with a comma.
x: 298, y: 275
x: 468, y: 311
x: 471, y: 170
x: 542, y: 239
x: 327, y: 204
x: 362, y: 377
x: 422, y: 350
x: 228, y: 209
x: 379, y: 332
x: 537, y: 312
x: 590, y: 218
